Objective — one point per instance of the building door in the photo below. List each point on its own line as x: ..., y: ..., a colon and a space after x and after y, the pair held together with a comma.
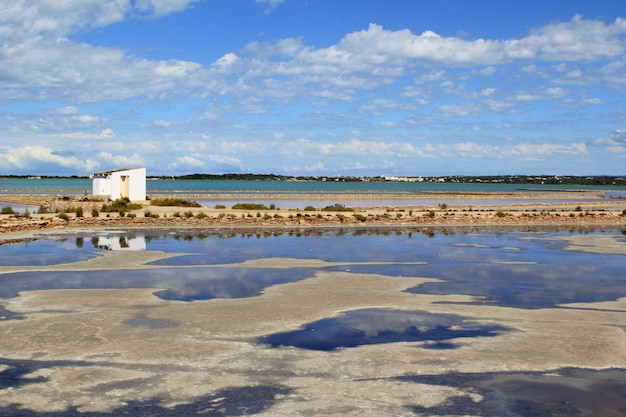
x: 124, y: 186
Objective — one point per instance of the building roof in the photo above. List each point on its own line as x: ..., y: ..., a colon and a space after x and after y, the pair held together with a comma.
x: 109, y: 172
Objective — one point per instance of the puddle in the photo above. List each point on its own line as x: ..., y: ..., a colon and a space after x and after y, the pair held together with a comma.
x: 573, y: 278
x: 563, y: 392
x: 46, y: 252
x: 333, y: 246
x: 152, y: 323
x: 539, y: 273
x: 187, y: 285
x: 375, y: 326
x: 522, y: 270
x: 226, y: 401
x: 8, y: 315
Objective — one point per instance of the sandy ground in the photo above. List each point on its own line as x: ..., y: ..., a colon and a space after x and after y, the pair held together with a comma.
x: 572, y: 210
x: 111, y: 352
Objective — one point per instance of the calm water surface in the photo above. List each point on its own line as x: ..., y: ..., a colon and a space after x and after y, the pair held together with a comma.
x: 82, y: 185
x: 523, y: 270
x: 254, y: 191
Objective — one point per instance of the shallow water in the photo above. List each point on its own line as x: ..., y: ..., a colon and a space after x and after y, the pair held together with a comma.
x: 301, y: 203
x: 523, y: 270
x: 458, y: 359
x: 374, y: 326
x: 195, y: 284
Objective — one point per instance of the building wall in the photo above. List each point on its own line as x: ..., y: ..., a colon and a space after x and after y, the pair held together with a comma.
x: 129, y: 183
x: 101, y: 186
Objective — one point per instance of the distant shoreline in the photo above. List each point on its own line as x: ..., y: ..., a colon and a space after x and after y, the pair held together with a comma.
x: 505, y: 178
x: 525, y: 211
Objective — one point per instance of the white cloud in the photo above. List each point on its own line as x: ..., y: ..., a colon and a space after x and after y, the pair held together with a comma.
x: 34, y: 158
x: 545, y: 149
x: 207, y: 162
x: 104, y: 134
x: 227, y: 60
x: 68, y: 110
x: 577, y: 40
x: 270, y: 4
x: 188, y: 162
x: 108, y: 159
x: 363, y: 60
x: 614, y: 143
x: 426, y: 81
x: 158, y: 8
x: 85, y: 118
x: 31, y: 18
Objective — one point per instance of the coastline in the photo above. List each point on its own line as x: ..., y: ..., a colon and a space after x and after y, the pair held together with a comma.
x: 126, y: 350
x: 403, y: 210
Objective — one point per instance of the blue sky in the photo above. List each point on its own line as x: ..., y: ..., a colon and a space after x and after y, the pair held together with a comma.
x: 317, y: 87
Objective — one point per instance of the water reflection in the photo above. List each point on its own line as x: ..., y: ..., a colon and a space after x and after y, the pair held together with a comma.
x: 375, y: 326
x: 115, y: 243
x: 562, y: 392
x: 45, y: 252
x: 517, y: 269
x: 301, y: 203
x: 182, y: 285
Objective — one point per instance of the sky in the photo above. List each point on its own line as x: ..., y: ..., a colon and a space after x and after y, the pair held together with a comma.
x: 313, y: 87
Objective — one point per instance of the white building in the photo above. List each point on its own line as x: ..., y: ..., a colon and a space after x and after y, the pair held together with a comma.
x: 121, y: 183
x: 115, y: 243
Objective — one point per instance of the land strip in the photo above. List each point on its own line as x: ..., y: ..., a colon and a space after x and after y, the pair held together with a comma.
x: 509, y: 209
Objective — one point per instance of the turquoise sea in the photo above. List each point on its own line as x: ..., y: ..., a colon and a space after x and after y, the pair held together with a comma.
x: 83, y: 185
x: 286, y: 193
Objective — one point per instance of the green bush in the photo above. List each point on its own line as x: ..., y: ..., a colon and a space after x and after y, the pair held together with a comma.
x: 309, y: 208
x: 249, y: 206
x: 64, y: 216
x: 95, y: 212
x: 360, y: 217
x: 500, y: 213
x: 201, y: 215
x: 122, y: 205
x: 337, y: 207
x: 174, y: 202
x: 431, y: 213
x: 220, y: 206
x: 7, y: 210
x: 148, y: 213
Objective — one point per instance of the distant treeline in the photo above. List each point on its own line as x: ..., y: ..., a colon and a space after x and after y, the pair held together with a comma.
x: 242, y: 177
x: 45, y: 177
x: 459, y: 179
x: 495, y: 179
